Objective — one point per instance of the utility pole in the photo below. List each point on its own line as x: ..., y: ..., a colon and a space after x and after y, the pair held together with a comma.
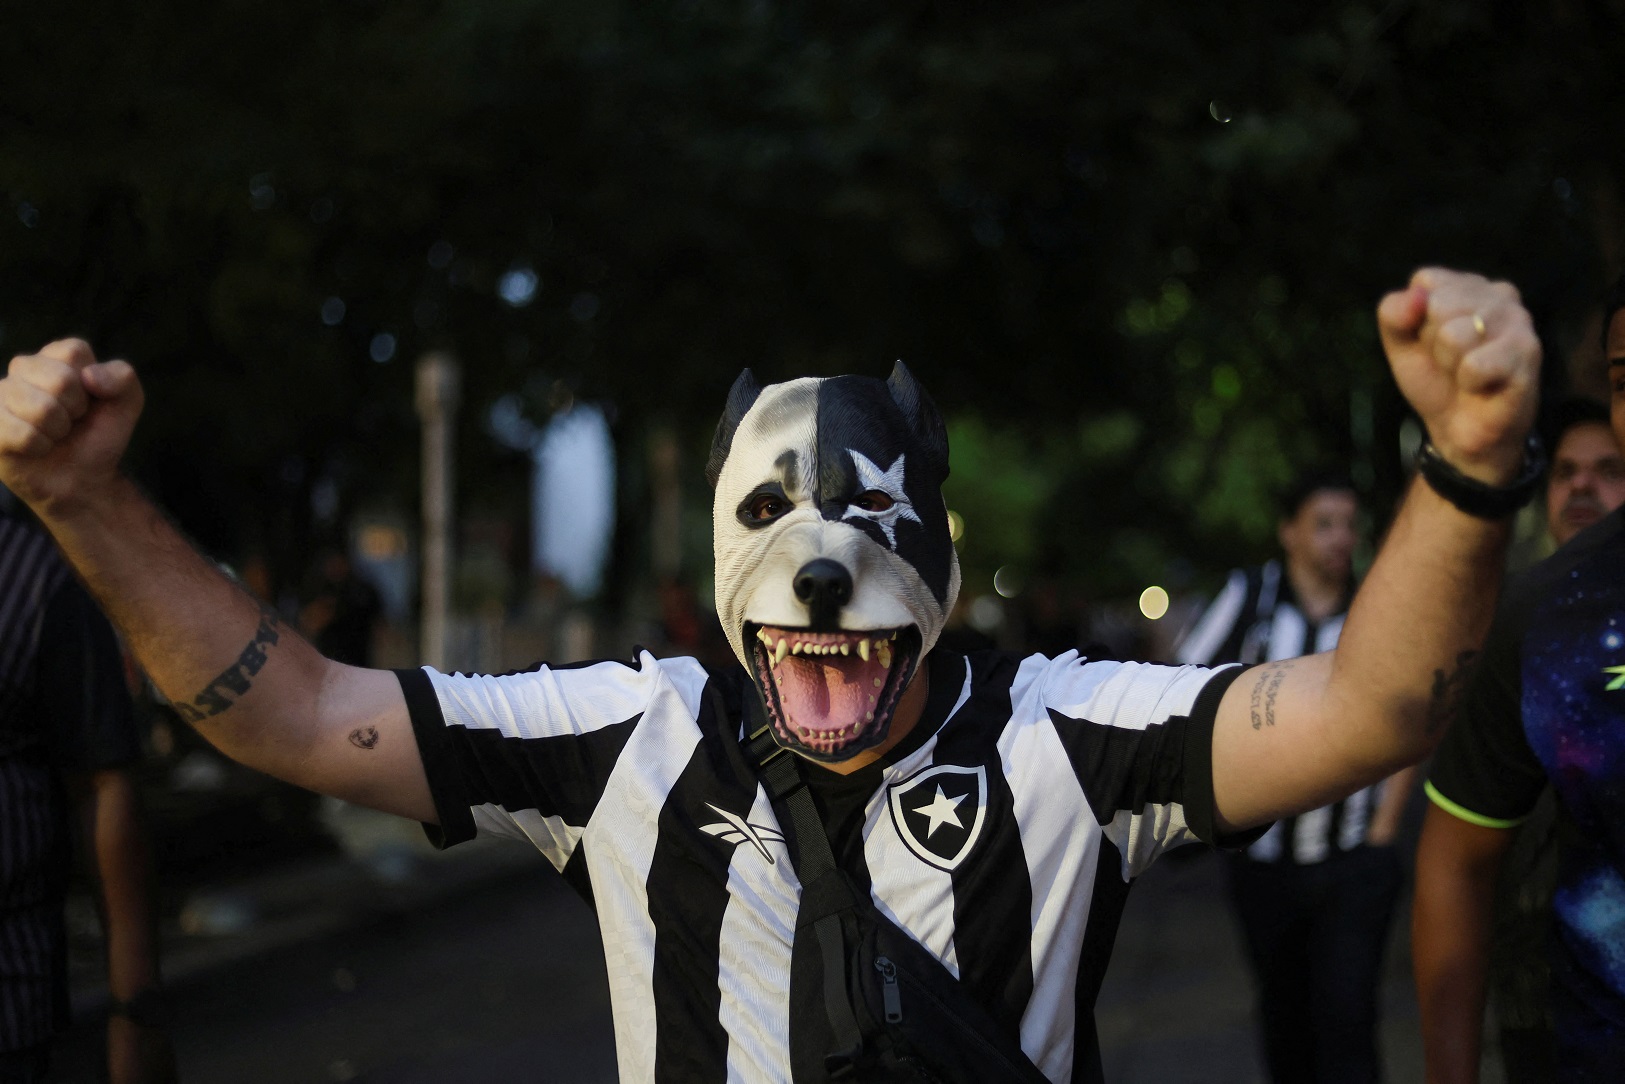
x: 666, y: 517
x: 438, y: 387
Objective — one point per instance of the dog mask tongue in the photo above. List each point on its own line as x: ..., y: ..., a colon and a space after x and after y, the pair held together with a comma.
x: 827, y: 695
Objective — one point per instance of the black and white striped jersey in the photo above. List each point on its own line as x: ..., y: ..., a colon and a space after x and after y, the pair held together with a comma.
x: 1257, y: 618
x: 1002, y: 834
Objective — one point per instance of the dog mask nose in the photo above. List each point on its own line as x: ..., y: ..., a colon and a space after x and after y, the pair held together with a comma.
x: 825, y: 586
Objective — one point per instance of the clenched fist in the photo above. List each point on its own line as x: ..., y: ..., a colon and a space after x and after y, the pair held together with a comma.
x: 1465, y: 355
x: 65, y: 419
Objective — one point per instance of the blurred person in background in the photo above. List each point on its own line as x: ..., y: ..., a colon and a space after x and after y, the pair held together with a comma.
x: 1315, y: 894
x: 1588, y: 472
x: 67, y: 736
x: 1543, y: 721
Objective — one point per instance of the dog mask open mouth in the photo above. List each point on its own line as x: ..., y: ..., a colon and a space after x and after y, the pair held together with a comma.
x: 831, y: 695
x: 835, y: 570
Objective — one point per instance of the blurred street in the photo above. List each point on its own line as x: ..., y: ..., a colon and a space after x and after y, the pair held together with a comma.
x: 481, y: 966
x: 476, y: 966
x: 1176, y: 1007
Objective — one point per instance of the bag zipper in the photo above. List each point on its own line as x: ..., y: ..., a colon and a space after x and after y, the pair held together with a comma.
x: 925, y: 991
x: 890, y: 996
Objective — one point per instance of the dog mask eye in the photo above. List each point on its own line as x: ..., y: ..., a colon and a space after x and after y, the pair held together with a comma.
x: 763, y: 507
x: 872, y: 500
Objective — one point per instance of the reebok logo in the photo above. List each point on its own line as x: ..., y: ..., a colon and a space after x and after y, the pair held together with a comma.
x: 734, y: 829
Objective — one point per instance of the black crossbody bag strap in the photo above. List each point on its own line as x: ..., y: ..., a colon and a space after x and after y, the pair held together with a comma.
x: 826, y: 894
x: 831, y: 902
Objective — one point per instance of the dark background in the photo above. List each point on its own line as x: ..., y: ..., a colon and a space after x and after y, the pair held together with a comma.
x: 1132, y: 250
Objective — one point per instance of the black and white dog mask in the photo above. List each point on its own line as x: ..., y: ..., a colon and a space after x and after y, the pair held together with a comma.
x: 834, y: 566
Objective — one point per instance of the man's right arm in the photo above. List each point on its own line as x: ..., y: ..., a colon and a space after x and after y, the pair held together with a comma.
x: 1456, y: 867
x: 245, y: 680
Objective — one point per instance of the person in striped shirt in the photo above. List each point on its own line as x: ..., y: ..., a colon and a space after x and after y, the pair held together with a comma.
x: 995, y: 808
x: 1315, y: 894
x: 67, y: 741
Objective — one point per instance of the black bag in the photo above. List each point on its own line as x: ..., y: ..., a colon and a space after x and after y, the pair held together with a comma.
x: 921, y: 1020
x: 895, y: 1013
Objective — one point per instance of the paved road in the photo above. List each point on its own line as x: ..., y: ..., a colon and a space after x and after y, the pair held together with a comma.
x: 505, y: 984
x: 1176, y: 1007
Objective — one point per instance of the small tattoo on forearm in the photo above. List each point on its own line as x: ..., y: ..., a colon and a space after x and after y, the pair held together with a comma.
x: 234, y: 680
x: 1445, y: 700
x: 364, y: 737
x: 1265, y: 691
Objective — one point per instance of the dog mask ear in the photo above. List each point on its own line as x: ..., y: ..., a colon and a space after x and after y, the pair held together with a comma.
x: 740, y: 399
x: 922, y: 416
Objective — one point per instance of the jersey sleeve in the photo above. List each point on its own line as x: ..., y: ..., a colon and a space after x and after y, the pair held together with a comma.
x: 528, y: 755
x: 1140, y: 738
x: 1485, y: 773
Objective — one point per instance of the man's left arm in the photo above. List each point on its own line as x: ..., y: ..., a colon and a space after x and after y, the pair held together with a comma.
x: 1294, y: 735
x: 81, y: 677
x: 138, y: 1050
x: 1383, y: 828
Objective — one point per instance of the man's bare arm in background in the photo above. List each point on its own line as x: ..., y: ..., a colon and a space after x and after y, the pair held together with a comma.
x: 1456, y: 867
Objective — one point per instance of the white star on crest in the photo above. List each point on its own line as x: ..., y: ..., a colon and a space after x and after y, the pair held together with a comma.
x: 940, y: 810
x: 889, y: 482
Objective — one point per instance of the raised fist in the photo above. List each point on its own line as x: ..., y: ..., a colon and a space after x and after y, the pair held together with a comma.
x: 1465, y: 355
x: 65, y: 419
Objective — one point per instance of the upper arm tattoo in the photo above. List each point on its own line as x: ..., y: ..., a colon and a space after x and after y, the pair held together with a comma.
x: 1445, y: 699
x: 234, y: 680
x: 1265, y: 691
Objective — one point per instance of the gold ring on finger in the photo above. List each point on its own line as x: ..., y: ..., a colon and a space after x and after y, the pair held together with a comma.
x: 1478, y: 325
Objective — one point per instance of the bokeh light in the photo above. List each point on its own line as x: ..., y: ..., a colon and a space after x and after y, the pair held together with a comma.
x: 518, y: 286
x: 986, y: 614
x: 382, y: 347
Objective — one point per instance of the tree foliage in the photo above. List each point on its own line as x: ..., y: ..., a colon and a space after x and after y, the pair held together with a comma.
x: 1138, y: 247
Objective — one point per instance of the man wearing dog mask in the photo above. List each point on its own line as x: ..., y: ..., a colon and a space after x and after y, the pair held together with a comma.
x: 992, y: 809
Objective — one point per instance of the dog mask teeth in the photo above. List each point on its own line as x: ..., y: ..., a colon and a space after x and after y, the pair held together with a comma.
x: 781, y: 647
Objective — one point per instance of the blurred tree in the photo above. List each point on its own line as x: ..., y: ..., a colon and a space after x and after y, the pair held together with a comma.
x: 1142, y: 249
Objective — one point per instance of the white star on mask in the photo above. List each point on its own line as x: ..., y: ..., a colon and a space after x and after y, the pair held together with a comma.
x: 940, y: 811
x: 889, y: 482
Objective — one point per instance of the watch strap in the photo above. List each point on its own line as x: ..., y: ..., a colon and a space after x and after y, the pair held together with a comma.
x: 1479, y: 498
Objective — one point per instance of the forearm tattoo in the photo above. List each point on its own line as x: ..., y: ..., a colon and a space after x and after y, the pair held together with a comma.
x: 235, y: 680
x: 1265, y: 691
x: 364, y: 737
x: 1445, y: 699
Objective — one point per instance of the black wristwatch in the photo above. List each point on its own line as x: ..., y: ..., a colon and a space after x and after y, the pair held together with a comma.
x: 149, y: 1008
x: 1475, y: 497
